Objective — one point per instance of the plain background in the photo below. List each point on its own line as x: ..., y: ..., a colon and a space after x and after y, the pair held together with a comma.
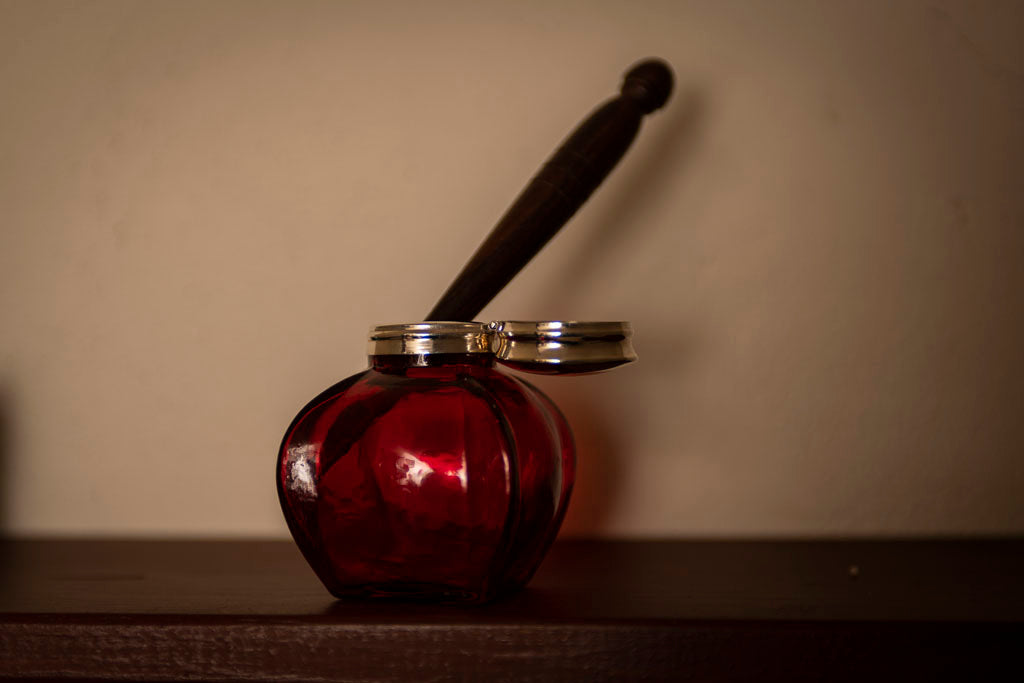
x: 820, y: 242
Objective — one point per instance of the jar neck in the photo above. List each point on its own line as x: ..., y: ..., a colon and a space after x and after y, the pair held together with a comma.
x: 398, y: 363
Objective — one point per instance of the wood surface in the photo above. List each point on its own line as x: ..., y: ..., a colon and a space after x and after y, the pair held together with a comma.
x: 597, y: 610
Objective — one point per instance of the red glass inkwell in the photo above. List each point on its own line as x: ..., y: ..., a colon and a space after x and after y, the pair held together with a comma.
x: 436, y: 473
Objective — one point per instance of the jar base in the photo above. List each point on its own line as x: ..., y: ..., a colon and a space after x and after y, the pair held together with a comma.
x: 411, y: 592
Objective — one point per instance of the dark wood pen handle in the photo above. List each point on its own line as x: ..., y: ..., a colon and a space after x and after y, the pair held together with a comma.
x: 558, y: 190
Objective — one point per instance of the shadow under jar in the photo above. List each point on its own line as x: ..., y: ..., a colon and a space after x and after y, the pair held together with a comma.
x: 434, y: 474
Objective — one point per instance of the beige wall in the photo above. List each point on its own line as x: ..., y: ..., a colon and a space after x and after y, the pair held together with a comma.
x: 204, y: 206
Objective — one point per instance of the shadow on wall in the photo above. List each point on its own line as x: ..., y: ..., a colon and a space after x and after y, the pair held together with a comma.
x: 598, y: 465
x: 602, y: 439
x: 600, y: 451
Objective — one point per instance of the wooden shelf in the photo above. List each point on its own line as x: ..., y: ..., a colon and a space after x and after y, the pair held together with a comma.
x: 597, y: 610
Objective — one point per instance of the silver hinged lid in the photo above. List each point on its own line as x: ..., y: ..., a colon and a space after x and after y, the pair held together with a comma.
x: 429, y: 338
x: 547, y: 347
x: 562, y: 346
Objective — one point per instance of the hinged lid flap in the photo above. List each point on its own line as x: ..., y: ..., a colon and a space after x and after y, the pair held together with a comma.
x: 562, y: 346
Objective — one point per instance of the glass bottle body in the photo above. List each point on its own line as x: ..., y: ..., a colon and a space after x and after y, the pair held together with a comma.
x: 428, y: 477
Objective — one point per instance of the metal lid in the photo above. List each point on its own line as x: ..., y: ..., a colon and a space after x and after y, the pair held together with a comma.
x: 562, y: 347
x: 548, y: 347
x: 429, y: 337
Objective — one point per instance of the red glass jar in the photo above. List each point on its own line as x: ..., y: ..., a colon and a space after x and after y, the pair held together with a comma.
x: 432, y: 475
